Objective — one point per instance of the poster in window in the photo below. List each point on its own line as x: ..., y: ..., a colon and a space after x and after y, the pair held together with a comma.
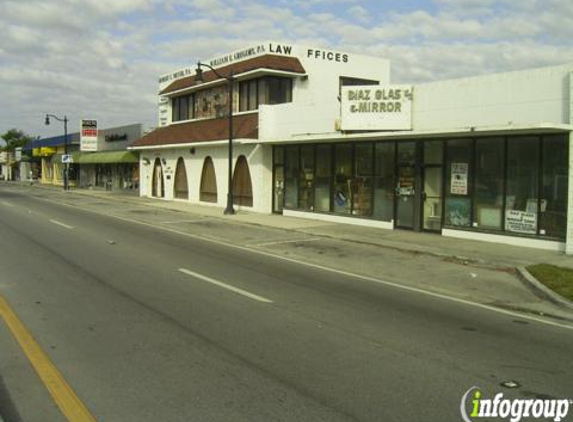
x: 459, y: 179
x: 458, y: 212
x: 521, y: 221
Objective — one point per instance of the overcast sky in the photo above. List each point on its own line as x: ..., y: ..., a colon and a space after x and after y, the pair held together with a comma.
x: 102, y: 58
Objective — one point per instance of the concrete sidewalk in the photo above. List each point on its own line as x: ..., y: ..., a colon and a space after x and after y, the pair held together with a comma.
x: 469, y: 252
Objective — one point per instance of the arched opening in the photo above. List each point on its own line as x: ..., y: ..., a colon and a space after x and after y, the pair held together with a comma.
x: 180, y: 188
x: 208, y: 189
x: 242, y: 187
x: 157, y: 184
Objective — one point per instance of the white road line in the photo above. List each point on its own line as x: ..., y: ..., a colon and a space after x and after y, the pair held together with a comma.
x: 8, y: 204
x: 225, y: 286
x: 280, y: 242
x: 61, y: 224
x: 331, y: 270
x: 181, y: 221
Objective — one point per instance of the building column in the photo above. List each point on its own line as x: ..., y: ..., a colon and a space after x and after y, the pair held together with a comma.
x: 569, y: 245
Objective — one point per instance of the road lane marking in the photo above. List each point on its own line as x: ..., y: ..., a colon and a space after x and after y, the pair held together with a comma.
x: 8, y: 204
x: 280, y: 242
x: 222, y: 242
x: 225, y: 286
x: 183, y: 221
x: 59, y: 223
x: 69, y: 403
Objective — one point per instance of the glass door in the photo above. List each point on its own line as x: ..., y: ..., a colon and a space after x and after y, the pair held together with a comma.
x: 432, y: 199
x: 431, y: 193
x: 405, y: 185
x: 278, y: 179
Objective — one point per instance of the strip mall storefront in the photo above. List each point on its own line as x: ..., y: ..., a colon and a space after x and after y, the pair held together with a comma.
x: 513, y: 185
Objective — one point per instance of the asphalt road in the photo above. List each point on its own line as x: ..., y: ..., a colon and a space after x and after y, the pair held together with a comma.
x: 153, y: 325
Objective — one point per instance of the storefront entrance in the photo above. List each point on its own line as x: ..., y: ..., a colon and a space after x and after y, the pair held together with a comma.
x: 419, y: 185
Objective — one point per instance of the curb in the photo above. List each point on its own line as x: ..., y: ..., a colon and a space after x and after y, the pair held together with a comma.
x: 541, y: 291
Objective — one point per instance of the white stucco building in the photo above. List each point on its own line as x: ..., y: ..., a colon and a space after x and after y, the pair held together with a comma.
x: 324, y: 134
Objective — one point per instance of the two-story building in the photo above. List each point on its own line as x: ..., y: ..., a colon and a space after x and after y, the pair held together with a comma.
x: 324, y: 134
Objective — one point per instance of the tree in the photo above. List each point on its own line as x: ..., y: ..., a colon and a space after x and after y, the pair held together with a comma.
x: 14, y: 138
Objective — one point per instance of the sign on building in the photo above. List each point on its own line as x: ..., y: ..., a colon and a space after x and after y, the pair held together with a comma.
x: 376, y: 107
x: 459, y: 179
x: 88, y: 135
x: 18, y: 154
x: 521, y: 221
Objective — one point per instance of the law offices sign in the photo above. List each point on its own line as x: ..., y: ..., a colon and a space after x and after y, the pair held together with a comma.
x: 88, y: 135
x: 376, y: 107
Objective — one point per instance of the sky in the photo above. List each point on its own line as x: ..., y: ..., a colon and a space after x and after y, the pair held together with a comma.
x: 101, y: 59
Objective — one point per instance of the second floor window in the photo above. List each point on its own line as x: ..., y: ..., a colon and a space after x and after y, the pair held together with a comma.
x: 267, y: 90
x: 183, y: 108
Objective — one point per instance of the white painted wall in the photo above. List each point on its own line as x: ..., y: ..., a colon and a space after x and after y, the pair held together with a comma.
x: 569, y: 243
x: 516, y: 98
x: 259, y: 159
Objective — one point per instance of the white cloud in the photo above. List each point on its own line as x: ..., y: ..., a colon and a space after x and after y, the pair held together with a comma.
x: 359, y: 13
x: 102, y: 58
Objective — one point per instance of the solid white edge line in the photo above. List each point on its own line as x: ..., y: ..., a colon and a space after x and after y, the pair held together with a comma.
x: 225, y: 286
x: 333, y: 270
x: 61, y: 224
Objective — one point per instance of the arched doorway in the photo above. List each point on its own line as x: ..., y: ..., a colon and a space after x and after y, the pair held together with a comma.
x: 180, y: 188
x: 157, y: 184
x: 242, y: 186
x: 208, y: 189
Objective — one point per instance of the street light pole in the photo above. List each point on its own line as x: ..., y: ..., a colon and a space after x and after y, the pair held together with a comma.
x: 229, y: 210
x: 67, y: 167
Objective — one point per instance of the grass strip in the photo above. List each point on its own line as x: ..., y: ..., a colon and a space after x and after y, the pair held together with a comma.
x: 558, y: 279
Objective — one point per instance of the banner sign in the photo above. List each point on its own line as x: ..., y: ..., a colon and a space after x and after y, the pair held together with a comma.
x: 521, y: 222
x: 376, y: 107
x: 88, y: 135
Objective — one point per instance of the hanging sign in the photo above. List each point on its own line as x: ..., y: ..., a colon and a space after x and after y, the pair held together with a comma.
x: 88, y: 135
x: 459, y: 179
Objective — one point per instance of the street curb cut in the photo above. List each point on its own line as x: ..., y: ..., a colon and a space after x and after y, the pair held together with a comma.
x: 540, y: 290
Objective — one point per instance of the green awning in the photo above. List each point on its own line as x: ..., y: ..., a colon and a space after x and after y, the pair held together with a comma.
x: 107, y: 157
x: 57, y: 158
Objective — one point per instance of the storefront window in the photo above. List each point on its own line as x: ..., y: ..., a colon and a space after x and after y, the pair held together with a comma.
x: 521, y: 194
x: 554, y: 186
x: 291, y: 176
x: 458, y: 200
x: 490, y: 172
x: 306, y: 178
x: 342, y: 178
x: 279, y: 90
x: 362, y: 181
x: 323, y: 178
x: 183, y: 108
x: 384, y: 168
